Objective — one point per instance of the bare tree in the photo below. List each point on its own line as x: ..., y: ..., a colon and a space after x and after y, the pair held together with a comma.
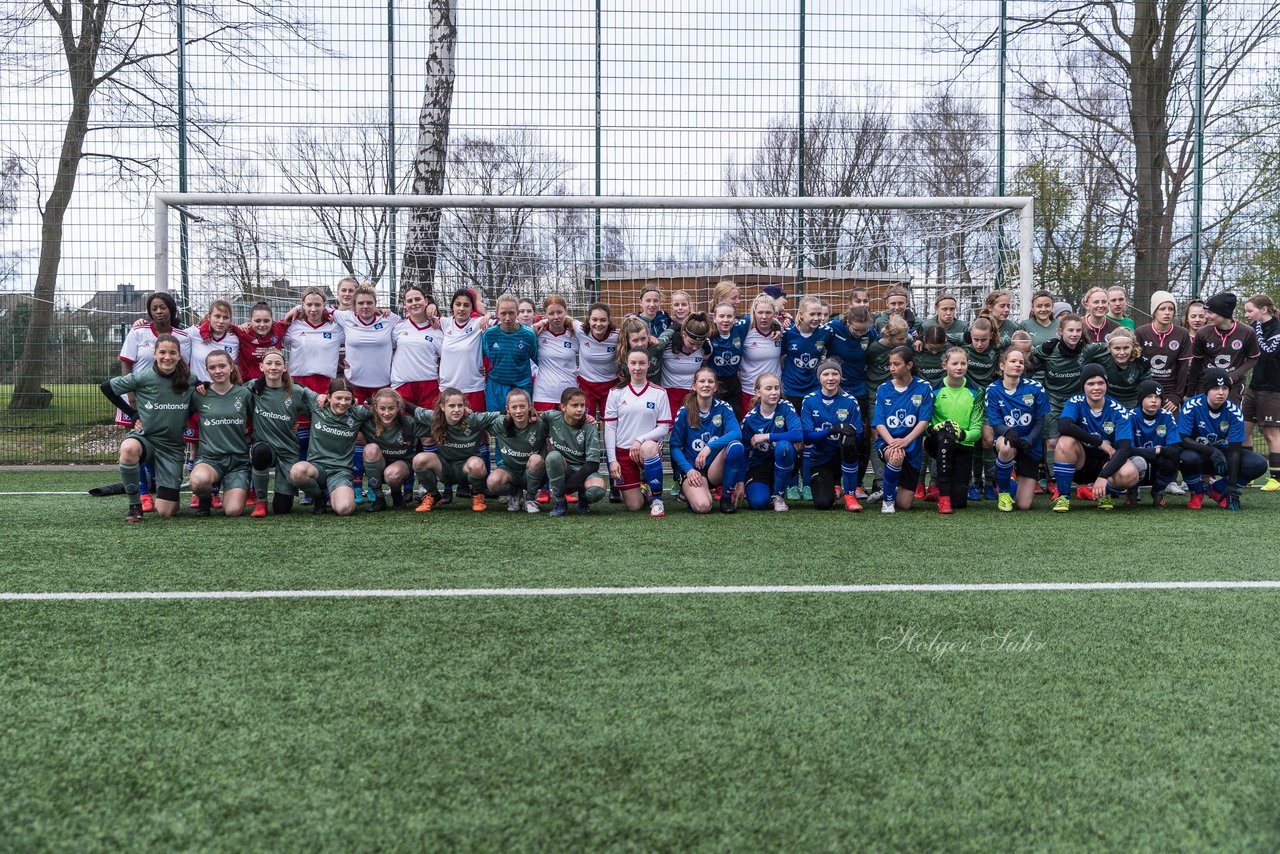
x: 498, y: 249
x: 422, y: 245
x: 119, y: 66
x: 241, y: 248
x: 10, y: 176
x: 1144, y: 52
x: 351, y: 160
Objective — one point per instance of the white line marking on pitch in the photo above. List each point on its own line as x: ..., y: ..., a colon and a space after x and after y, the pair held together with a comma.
x: 499, y: 592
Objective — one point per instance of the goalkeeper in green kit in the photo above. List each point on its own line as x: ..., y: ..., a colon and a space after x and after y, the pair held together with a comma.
x: 954, y: 430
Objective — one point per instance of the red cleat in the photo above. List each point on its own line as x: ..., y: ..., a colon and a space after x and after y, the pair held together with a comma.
x: 544, y: 496
x: 851, y: 503
x: 148, y: 504
x: 919, y: 492
x: 217, y: 501
x: 251, y: 499
x: 1193, y: 503
x: 932, y: 494
x: 259, y: 511
x: 1085, y: 493
x: 944, y: 505
x: 1053, y: 491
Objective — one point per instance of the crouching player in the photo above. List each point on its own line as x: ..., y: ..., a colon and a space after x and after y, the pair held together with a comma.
x: 520, y: 438
x: 772, y: 428
x: 832, y: 425
x: 573, y: 454
x: 225, y: 409
x: 1212, y: 431
x: 904, y: 407
x: 1091, y: 425
x: 1153, y: 457
x: 706, y: 445
x: 954, y: 430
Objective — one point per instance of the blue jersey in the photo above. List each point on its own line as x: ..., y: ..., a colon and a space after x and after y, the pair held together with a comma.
x: 900, y: 410
x: 821, y: 412
x: 1153, y: 432
x: 852, y: 353
x: 511, y: 355
x: 661, y: 323
x: 716, y: 430
x: 1198, y: 423
x: 726, y: 350
x: 783, y: 425
x: 1025, y: 408
x: 800, y: 357
x: 1111, y: 424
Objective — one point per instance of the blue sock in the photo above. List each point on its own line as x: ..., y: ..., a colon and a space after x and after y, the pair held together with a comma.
x: 357, y: 463
x: 757, y: 495
x: 1219, y: 486
x: 805, y: 466
x: 484, y: 455
x: 304, y: 442
x: 1063, y: 474
x: 1004, y: 475
x: 891, y: 473
x: 784, y: 460
x: 145, y: 475
x: 849, y: 477
x: 653, y: 475
x: 735, y: 461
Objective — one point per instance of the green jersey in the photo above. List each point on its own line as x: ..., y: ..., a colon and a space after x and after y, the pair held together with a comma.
x: 1058, y: 372
x: 1122, y: 381
x: 929, y: 366
x: 396, y: 440
x: 955, y: 332
x: 162, y: 412
x: 276, y: 414
x: 982, y: 366
x: 224, y: 421
x: 463, y: 441
x: 878, y: 363
x: 964, y: 406
x: 1039, y: 334
x: 517, y: 444
x: 333, y: 437
x: 578, y: 445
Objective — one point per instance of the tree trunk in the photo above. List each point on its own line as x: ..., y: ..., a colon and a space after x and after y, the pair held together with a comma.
x: 423, y: 241
x: 27, y: 377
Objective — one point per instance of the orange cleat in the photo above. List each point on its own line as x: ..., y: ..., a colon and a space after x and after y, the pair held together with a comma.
x: 148, y: 504
x: 851, y: 503
x: 259, y: 511
x: 477, y: 503
x: 425, y: 506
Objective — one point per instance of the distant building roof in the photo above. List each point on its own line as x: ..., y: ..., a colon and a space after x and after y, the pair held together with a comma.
x: 124, y: 300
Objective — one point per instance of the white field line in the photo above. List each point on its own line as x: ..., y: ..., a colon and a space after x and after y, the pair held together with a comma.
x: 516, y: 592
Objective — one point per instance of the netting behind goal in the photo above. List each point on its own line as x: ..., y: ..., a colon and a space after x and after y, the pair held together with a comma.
x: 244, y: 249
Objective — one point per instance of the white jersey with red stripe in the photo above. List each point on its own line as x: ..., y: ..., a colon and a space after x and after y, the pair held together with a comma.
x: 632, y: 414
x: 201, y: 348
x: 597, y: 359
x: 461, y: 366
x: 557, y: 365
x: 678, y: 368
x: 760, y: 354
x: 314, y: 350
x: 139, y: 348
x: 417, y: 357
x: 368, y: 347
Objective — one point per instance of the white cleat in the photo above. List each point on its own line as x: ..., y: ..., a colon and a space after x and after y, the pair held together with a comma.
x: 888, y: 507
x: 656, y: 510
x: 531, y: 506
x: 513, y: 504
x: 780, y: 504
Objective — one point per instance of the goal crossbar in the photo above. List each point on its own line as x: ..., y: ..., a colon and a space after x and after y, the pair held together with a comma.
x: 1023, y: 205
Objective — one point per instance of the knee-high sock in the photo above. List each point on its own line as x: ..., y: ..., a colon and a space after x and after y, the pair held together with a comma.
x: 357, y: 463
x: 592, y: 494
x: 653, y: 475
x: 373, y: 472
x: 311, y: 487
x: 1004, y: 475
x: 262, y: 459
x: 1273, y: 463
x: 145, y: 475
x: 533, y: 481
x: 129, y: 477
x: 784, y: 461
x: 555, y: 474
x: 1063, y: 474
x: 946, y: 461
x: 477, y: 484
x: 304, y: 442
x: 429, y: 480
x: 891, y: 473
x: 806, y: 466
x: 735, y: 462
x: 484, y: 455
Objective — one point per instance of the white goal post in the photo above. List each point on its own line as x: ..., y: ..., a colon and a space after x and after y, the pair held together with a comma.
x: 1023, y: 206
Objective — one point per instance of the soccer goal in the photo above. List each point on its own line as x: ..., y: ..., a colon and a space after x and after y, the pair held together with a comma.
x: 591, y: 248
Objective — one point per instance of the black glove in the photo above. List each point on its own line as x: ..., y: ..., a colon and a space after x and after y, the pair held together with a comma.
x: 1219, y: 461
x: 1049, y: 346
x: 259, y: 386
x: 1013, y: 438
x: 910, y: 317
x: 844, y: 431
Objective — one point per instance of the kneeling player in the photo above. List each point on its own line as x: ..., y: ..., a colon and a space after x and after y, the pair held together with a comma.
x: 832, y: 424
x: 1089, y: 428
x: 706, y: 445
x: 1212, y: 431
x: 904, y: 407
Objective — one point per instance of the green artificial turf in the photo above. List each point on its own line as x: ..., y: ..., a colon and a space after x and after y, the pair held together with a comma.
x: 1120, y: 719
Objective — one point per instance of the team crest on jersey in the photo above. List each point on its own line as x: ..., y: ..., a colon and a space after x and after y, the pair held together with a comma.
x: 842, y: 414
x: 377, y: 325
x: 327, y: 335
x: 238, y: 406
x: 1173, y: 345
x: 650, y: 405
x: 1237, y: 344
x: 1161, y: 430
x: 1028, y: 399
x: 736, y: 342
x: 1224, y: 426
x: 716, y: 420
x: 916, y: 399
x: 519, y: 345
x: 288, y: 402
x: 780, y: 421
x: 1108, y: 427
x: 567, y: 345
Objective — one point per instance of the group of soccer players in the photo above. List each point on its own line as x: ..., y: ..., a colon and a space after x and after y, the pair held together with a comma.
x: 352, y: 404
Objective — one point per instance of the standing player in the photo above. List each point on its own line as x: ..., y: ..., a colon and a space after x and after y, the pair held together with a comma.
x: 904, y: 407
x: 225, y: 410
x: 1262, y: 398
x: 706, y: 446
x: 1091, y: 425
x: 1016, y: 409
x: 558, y: 348
x: 1039, y: 323
x: 211, y: 334
x: 771, y: 429
x: 1097, y: 326
x: 804, y: 346
x: 415, y: 365
x: 1167, y: 347
x: 687, y: 353
x: 461, y: 365
x: 597, y: 358
x: 637, y: 418
x: 998, y: 306
x: 655, y: 319
x: 1118, y: 307
x: 573, y: 455
x: 260, y: 334
x: 1212, y: 431
x: 851, y: 335
x: 1224, y: 343
x: 954, y: 430
x: 512, y: 351
x: 945, y: 315
x: 315, y: 342
x: 1122, y: 359
x: 1193, y: 317
x: 369, y: 340
x: 832, y: 425
x: 726, y: 355
x: 163, y: 395
x: 761, y: 345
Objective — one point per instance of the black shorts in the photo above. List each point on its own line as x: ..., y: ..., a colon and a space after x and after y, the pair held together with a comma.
x: 910, y: 475
x: 1094, y: 460
x: 761, y: 473
x: 1025, y: 465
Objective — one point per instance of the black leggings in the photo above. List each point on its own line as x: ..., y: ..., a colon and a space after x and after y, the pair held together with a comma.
x: 954, y: 464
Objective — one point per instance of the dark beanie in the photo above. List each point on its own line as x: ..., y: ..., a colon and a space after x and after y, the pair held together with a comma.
x: 1092, y: 370
x: 1216, y: 378
x: 1147, y: 388
x: 1223, y: 305
x: 775, y: 291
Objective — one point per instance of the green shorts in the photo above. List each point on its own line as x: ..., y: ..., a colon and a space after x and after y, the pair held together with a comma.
x: 233, y: 472
x: 519, y: 482
x: 453, y: 474
x: 332, y: 478
x: 169, y: 463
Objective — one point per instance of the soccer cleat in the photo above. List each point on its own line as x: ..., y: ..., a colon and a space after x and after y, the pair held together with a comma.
x: 583, y: 507
x: 851, y: 503
x: 656, y: 510
x: 888, y: 507
x: 531, y: 506
x: 991, y: 493
x: 1217, y: 497
x: 793, y: 493
x: 727, y: 502
x: 195, y: 501
x: 1053, y: 491
x: 376, y: 505
x: 944, y: 505
x: 1131, y: 497
x: 447, y: 498
x: 1233, y: 503
x: 1194, y: 502
x: 975, y: 494
x: 397, y: 499
x: 146, y: 503
x: 358, y: 487
x: 1272, y: 485
x: 932, y: 494
x: 780, y: 504
x: 544, y: 496
x: 304, y: 499
x: 1061, y: 504
x: 426, y: 505
x: 1157, y: 499
x: 1106, y: 502
x: 319, y: 507
x: 919, y: 492
x: 251, y: 499
x: 1040, y: 485
x: 875, y: 496
x: 1176, y: 488
x: 615, y: 497
x: 134, y: 514
x: 259, y: 510
x: 217, y: 501
x: 477, y: 503
x: 513, y: 504
x: 571, y: 498
x: 1004, y: 503
x: 1085, y: 493
x: 806, y: 494
x: 561, y: 508
x: 860, y: 494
